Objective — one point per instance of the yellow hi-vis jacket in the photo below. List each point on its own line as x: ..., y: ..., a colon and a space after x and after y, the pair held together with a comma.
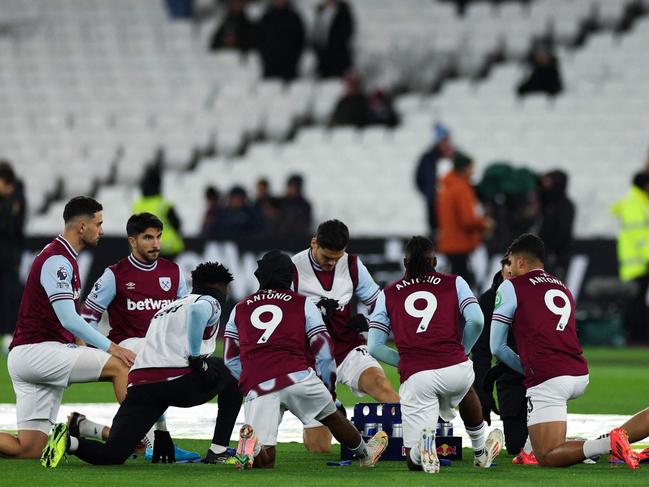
x: 171, y: 242
x: 633, y: 240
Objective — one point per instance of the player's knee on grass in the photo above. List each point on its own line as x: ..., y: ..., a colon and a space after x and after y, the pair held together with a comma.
x: 411, y: 465
x: 266, y: 458
x: 317, y: 440
x: 30, y: 444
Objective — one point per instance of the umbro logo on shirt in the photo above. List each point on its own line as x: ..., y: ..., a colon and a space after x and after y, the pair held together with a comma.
x: 130, y: 286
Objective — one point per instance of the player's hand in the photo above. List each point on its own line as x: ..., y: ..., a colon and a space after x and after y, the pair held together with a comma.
x: 359, y: 323
x: 488, y: 402
x: 124, y: 354
x: 327, y: 306
x: 205, y: 369
x: 163, y: 448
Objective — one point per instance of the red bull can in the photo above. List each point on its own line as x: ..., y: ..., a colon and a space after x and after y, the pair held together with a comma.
x: 370, y: 429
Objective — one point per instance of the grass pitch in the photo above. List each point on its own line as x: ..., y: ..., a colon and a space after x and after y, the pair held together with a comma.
x: 619, y: 385
x: 297, y: 467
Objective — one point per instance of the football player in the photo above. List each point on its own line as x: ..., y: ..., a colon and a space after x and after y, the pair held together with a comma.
x: 330, y: 277
x: 423, y: 310
x: 265, y: 339
x: 48, y: 351
x: 540, y: 311
x: 173, y: 368
x: 132, y: 291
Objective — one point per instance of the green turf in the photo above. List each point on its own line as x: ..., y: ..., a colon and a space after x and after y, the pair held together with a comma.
x: 297, y: 467
x: 618, y: 384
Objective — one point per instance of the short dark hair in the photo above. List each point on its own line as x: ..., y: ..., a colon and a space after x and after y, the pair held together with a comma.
x: 641, y: 180
x: 81, y: 206
x: 529, y: 245
x: 139, y: 222
x: 417, y: 249
x: 332, y: 235
x: 7, y: 173
x: 210, y: 273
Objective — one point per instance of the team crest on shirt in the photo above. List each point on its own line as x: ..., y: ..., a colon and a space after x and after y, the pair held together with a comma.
x: 165, y: 283
x: 62, y: 274
x: 130, y: 286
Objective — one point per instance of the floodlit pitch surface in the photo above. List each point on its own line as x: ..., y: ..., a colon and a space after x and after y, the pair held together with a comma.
x: 619, y: 385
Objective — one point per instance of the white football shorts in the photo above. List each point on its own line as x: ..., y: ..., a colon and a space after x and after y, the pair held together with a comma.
x: 307, y: 400
x: 349, y: 372
x: 548, y: 401
x: 430, y: 394
x: 40, y: 372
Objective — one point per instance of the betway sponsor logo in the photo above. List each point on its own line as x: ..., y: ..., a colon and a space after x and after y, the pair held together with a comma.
x: 147, y: 304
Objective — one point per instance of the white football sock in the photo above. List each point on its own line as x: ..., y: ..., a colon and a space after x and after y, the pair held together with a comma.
x: 217, y: 448
x: 600, y: 446
x: 74, y: 444
x: 415, y: 455
x: 477, y: 435
x: 527, y: 448
x: 90, y: 429
x: 361, y: 450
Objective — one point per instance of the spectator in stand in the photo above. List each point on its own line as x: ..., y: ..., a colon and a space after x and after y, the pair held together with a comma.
x: 153, y: 202
x: 544, y: 75
x: 353, y: 106
x: 12, y: 222
x: 426, y: 176
x: 262, y: 192
x: 296, y: 210
x: 460, y: 228
x: 380, y: 109
x: 280, y: 40
x: 236, y: 31
x: 557, y: 220
x: 239, y: 218
x: 213, y: 212
x: 633, y: 255
x: 271, y: 214
x: 332, y: 36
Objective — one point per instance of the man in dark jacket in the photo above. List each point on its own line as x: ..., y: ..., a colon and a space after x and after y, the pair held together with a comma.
x: 280, y: 40
x: 509, y: 385
x: 12, y: 220
x: 236, y: 31
x: 332, y: 35
x: 557, y: 219
x: 544, y: 75
x: 426, y: 176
